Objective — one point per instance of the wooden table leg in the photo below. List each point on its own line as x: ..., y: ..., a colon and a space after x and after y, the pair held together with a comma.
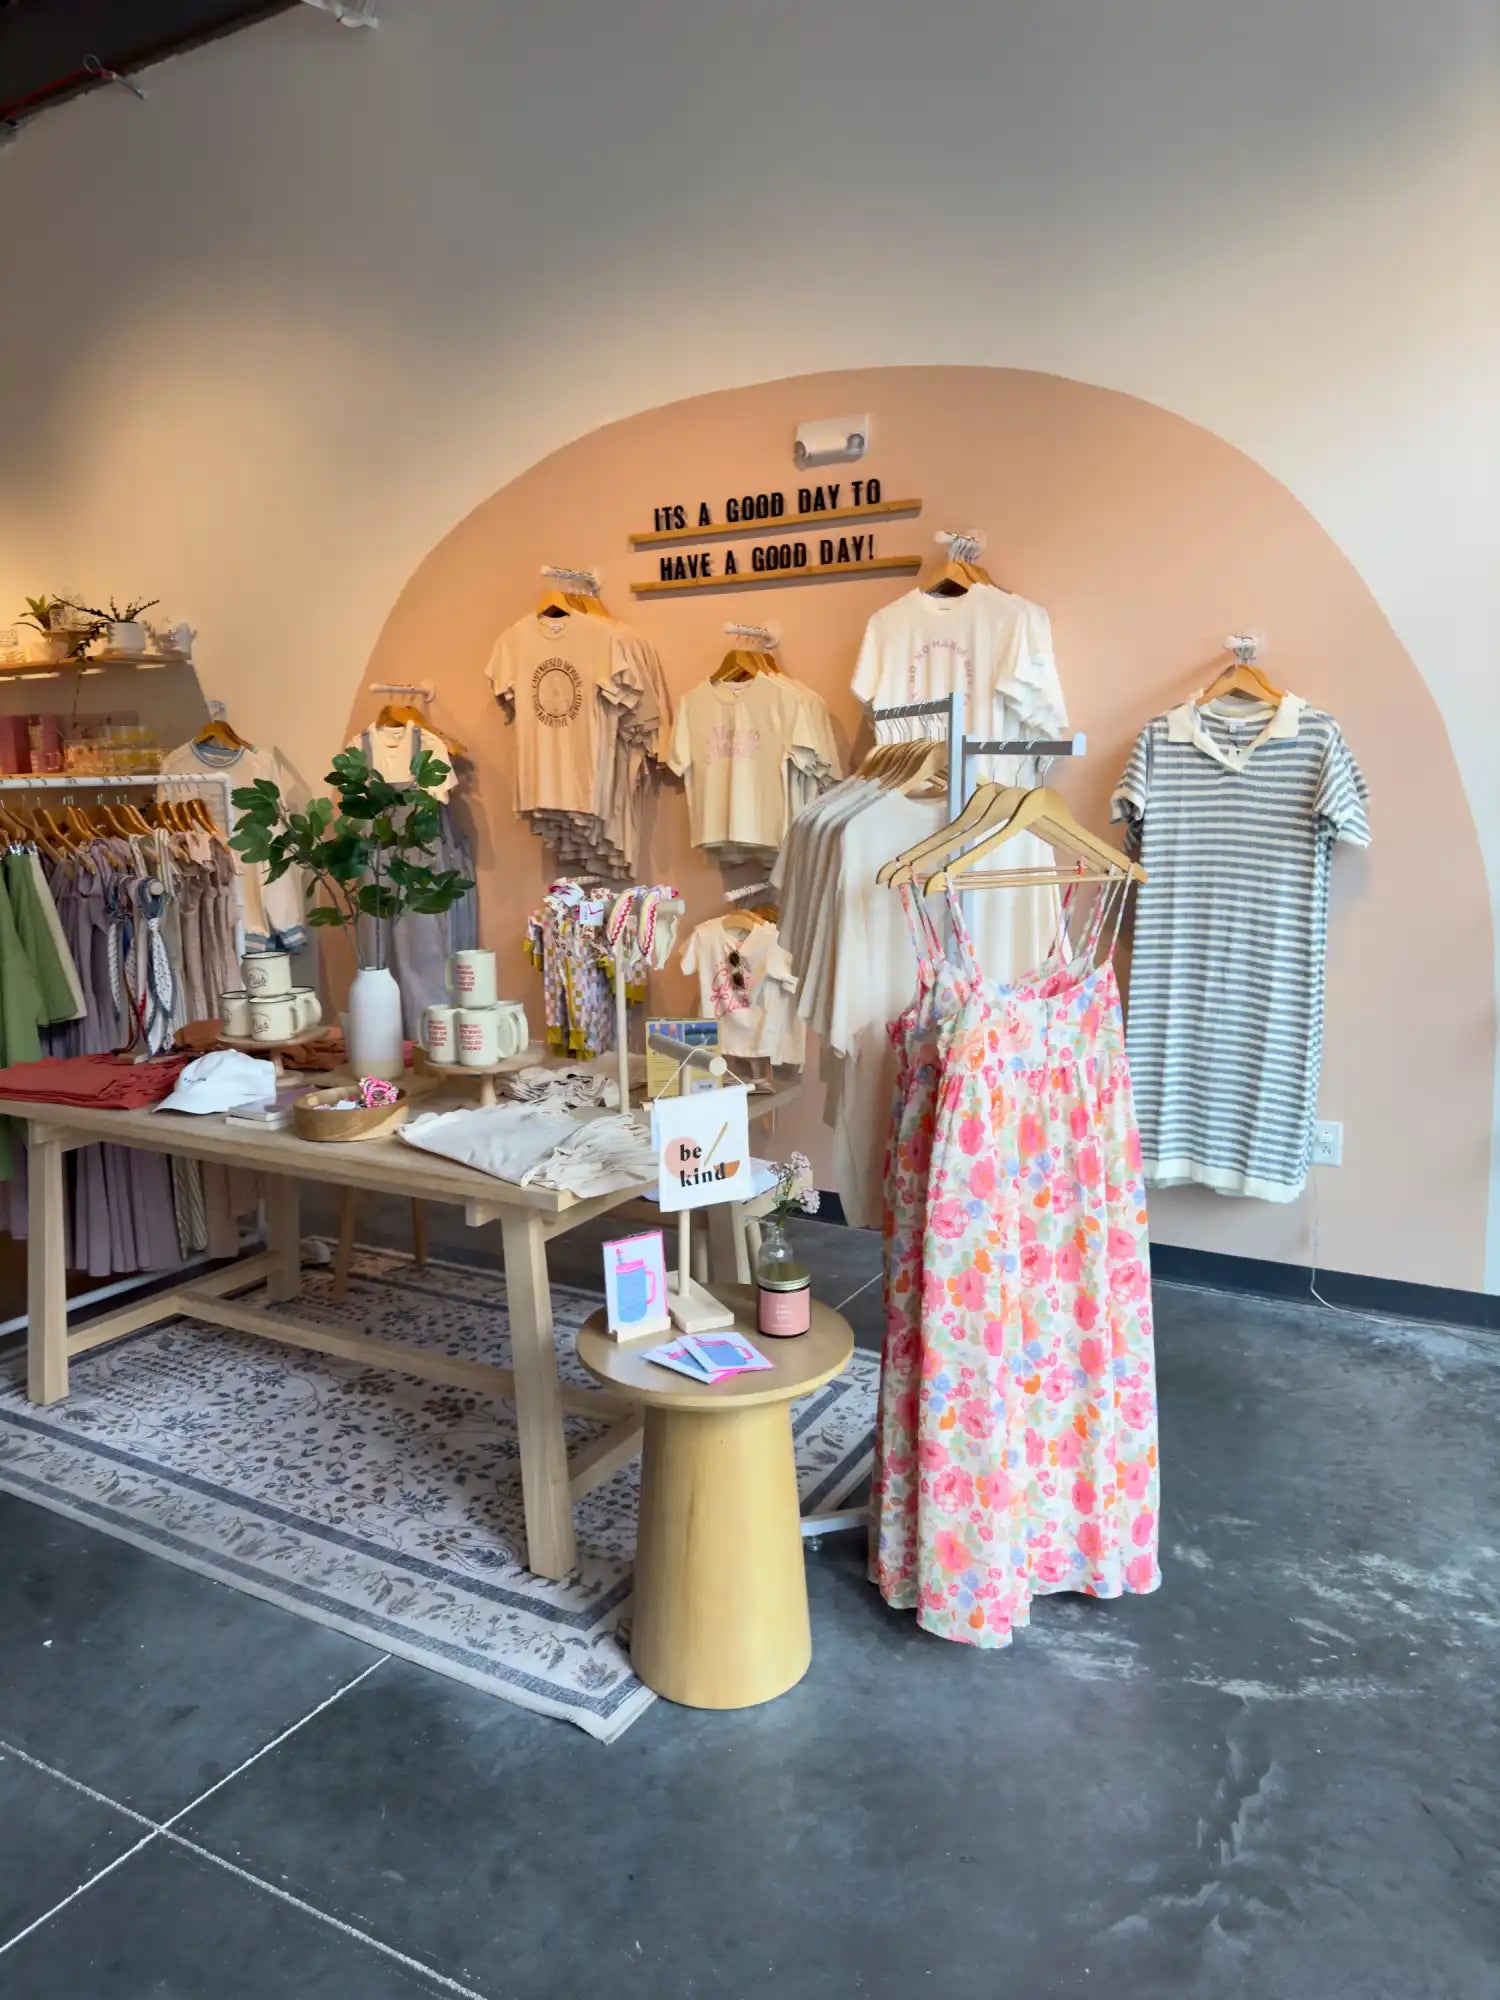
x: 720, y: 1616
x: 284, y: 1236
x: 550, y: 1549
x: 344, y: 1250
x: 46, y: 1274
x: 419, y: 1233
x: 728, y: 1260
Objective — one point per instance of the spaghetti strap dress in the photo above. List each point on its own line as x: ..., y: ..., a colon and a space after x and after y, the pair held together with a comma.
x: 1032, y: 1420
x: 908, y: 1153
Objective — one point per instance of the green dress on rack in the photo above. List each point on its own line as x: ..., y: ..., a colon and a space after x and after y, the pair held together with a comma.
x: 22, y: 1011
x: 37, y: 941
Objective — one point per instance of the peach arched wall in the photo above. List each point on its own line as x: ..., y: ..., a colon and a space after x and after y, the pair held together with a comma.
x: 1148, y: 539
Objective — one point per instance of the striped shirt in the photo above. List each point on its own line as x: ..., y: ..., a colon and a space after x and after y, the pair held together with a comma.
x: 1233, y: 809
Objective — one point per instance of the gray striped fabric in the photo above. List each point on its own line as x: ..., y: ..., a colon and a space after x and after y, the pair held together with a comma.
x: 1233, y: 809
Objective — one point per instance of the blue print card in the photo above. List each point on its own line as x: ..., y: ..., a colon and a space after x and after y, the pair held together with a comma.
x: 635, y: 1285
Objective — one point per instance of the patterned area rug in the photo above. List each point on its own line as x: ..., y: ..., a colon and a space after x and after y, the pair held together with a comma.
x: 385, y: 1507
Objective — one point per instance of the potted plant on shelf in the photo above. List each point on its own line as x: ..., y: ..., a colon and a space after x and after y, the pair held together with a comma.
x: 368, y: 854
x: 61, y: 635
x: 125, y: 635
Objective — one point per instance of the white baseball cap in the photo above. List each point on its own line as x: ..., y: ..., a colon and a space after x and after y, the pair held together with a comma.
x: 220, y: 1080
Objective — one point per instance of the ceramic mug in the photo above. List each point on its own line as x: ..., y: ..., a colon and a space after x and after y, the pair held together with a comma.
x: 471, y: 978
x: 273, y: 1017
x: 478, y: 1034
x: 440, y: 1033
x: 234, y: 1012
x: 267, y: 972
x: 515, y: 1034
x: 307, y: 1009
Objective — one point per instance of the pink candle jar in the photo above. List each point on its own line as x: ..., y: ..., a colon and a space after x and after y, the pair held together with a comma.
x: 783, y: 1303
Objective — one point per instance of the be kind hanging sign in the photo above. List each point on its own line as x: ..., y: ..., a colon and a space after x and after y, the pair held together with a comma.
x: 702, y: 1148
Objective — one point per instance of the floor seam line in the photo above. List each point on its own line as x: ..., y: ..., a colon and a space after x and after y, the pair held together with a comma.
x: 325, y: 1917
x: 166, y: 1825
x: 77, y: 1785
x: 85, y: 1885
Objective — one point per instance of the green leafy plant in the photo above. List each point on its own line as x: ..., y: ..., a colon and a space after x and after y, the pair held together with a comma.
x: 43, y: 614
x: 117, y: 614
x: 42, y: 611
x: 368, y: 854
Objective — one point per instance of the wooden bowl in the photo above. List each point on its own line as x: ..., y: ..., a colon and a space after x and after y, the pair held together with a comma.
x: 308, y: 1122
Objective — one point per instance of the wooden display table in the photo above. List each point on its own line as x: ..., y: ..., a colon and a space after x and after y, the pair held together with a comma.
x: 720, y: 1589
x: 528, y: 1219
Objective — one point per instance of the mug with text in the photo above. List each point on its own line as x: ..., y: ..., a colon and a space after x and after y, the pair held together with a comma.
x: 471, y: 978
x: 440, y: 1033
x: 273, y: 1017
x: 266, y: 972
x: 234, y: 1012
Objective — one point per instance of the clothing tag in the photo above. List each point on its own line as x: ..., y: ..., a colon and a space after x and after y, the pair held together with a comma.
x: 591, y: 914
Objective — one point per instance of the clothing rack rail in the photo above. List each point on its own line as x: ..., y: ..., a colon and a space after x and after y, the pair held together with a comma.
x: 79, y: 781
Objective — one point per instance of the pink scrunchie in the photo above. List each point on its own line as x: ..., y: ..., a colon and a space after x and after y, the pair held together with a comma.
x: 373, y: 1092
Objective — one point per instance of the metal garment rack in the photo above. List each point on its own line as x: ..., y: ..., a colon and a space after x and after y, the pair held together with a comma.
x: 78, y: 781
x: 48, y: 781
x: 961, y: 748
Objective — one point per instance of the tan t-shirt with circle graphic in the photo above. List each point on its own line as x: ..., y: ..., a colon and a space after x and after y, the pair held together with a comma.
x: 550, y: 670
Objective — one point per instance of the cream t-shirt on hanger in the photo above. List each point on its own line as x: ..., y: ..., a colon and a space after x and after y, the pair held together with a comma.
x: 734, y: 742
x: 550, y: 671
x: 995, y: 645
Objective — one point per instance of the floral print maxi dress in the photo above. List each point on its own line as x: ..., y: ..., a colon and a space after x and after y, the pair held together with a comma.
x: 1016, y: 1450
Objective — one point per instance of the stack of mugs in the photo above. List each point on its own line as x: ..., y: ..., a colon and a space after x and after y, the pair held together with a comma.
x: 268, y: 1008
x: 475, y: 1028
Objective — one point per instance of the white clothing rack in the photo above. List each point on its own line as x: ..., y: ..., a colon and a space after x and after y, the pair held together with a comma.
x: 78, y: 781
x: 421, y: 689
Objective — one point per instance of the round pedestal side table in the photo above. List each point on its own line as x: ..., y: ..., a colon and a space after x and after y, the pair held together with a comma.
x: 720, y: 1615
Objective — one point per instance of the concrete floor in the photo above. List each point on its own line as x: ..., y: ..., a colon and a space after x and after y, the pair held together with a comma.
x: 1274, y: 1780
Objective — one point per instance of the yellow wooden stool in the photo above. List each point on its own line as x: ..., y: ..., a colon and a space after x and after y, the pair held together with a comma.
x: 720, y: 1615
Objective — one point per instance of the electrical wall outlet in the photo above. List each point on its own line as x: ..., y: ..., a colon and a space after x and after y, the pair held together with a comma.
x: 1328, y: 1143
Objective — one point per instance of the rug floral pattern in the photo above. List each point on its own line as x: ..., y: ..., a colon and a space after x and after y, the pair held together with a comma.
x: 383, y: 1506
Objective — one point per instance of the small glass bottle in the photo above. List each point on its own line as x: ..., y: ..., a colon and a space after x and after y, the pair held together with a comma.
x: 783, y: 1287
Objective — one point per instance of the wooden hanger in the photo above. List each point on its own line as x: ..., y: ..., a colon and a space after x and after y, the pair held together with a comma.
x: 221, y: 731
x: 739, y: 922
x: 949, y: 576
x: 1241, y: 676
x: 1047, y: 814
x: 991, y: 806
x: 906, y: 765
x: 401, y: 714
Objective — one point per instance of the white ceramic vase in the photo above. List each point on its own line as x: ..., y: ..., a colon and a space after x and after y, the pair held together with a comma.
x: 127, y: 637
x: 375, y: 1024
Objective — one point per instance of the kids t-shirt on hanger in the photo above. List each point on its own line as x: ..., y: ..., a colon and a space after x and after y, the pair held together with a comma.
x: 746, y: 982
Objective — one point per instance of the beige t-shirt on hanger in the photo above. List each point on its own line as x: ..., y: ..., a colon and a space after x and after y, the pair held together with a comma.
x: 733, y: 742
x: 550, y: 671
